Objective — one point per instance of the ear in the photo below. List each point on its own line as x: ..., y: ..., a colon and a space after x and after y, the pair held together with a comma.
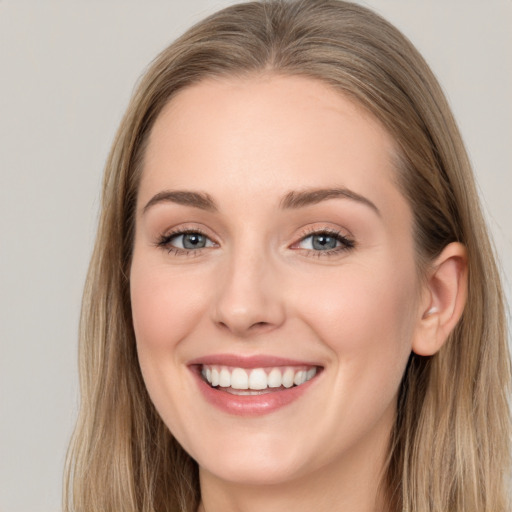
x: 443, y: 302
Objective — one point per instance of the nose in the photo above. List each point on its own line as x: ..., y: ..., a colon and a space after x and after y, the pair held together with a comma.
x: 249, y: 299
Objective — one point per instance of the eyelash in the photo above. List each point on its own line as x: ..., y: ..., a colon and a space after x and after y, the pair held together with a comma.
x: 165, y: 242
x: 346, y: 243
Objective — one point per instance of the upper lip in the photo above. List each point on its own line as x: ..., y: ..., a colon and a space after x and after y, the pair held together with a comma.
x: 255, y: 361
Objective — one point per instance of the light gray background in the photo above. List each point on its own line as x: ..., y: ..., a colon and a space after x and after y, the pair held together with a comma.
x: 67, y: 70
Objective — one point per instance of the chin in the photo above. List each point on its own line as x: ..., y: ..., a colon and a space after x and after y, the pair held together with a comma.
x: 257, y: 471
x: 257, y: 460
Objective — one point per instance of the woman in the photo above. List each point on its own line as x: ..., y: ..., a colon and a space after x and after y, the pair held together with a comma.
x: 293, y: 301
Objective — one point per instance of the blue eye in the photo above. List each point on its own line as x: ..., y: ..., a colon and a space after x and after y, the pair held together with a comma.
x: 189, y: 241
x: 320, y: 242
x: 185, y: 241
x: 325, y: 242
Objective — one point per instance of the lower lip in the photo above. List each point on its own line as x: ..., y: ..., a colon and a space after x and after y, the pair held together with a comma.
x: 251, y: 405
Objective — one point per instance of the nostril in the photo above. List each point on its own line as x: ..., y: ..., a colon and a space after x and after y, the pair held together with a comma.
x: 238, y: 330
x: 259, y: 326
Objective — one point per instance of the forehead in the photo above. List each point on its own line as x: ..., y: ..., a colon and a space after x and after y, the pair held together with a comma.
x: 267, y: 133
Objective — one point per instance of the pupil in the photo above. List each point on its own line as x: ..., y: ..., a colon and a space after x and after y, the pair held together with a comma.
x: 323, y: 242
x: 193, y: 241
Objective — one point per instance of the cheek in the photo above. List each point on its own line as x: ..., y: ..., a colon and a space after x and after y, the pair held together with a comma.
x: 366, y: 316
x: 165, y: 306
x: 366, y: 319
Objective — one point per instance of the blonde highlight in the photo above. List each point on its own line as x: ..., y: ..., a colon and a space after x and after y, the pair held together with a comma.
x: 451, y: 436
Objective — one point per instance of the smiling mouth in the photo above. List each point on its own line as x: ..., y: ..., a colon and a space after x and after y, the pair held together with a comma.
x: 256, y: 381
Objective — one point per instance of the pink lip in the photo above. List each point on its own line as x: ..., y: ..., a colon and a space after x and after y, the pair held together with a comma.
x: 251, y: 405
x: 260, y: 361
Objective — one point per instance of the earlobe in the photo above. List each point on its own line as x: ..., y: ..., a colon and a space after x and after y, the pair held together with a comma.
x: 444, y: 300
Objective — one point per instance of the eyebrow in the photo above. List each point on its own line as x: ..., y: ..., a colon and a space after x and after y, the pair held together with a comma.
x: 292, y: 200
x: 184, y: 197
x: 300, y: 199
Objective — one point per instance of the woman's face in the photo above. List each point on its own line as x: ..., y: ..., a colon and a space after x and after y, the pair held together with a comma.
x: 273, y: 250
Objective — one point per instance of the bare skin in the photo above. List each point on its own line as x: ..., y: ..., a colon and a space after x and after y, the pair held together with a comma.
x: 244, y: 268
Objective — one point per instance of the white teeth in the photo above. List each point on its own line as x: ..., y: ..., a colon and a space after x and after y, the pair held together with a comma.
x: 300, y: 378
x: 257, y: 379
x: 288, y: 377
x: 239, y: 379
x: 225, y: 378
x: 275, y: 379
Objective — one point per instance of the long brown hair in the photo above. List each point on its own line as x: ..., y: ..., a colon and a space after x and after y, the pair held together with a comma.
x: 450, y: 447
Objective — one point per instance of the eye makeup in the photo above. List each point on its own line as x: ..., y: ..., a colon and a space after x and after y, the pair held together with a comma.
x: 185, y: 242
x: 323, y: 242
x: 320, y: 242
